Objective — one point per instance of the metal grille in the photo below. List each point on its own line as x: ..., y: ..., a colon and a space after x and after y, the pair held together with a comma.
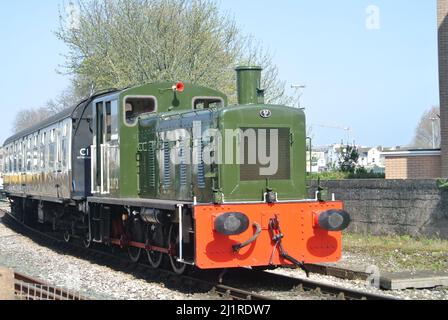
x: 201, y: 166
x: 166, y: 165
x: 251, y: 172
x: 183, y: 166
x: 151, y: 165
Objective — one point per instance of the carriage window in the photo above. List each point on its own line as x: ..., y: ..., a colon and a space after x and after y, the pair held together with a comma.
x: 207, y: 103
x: 6, y: 161
x: 112, y: 121
x: 42, y: 155
x: 64, y: 153
x: 28, y: 156
x: 15, y: 157
x: 51, y: 155
x: 64, y: 130
x: 20, y: 156
x: 9, y: 159
x: 35, y: 159
x: 134, y: 107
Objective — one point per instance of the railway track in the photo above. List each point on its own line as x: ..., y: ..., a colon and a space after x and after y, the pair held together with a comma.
x: 226, y: 292
x: 231, y: 290
x: 318, y: 288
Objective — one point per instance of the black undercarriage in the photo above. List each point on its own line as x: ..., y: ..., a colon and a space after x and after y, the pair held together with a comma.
x: 151, y: 234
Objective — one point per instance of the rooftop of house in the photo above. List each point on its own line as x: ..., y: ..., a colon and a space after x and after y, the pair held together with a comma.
x: 412, y: 152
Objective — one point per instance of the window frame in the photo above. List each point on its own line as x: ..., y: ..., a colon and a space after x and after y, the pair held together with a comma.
x: 125, y: 121
x: 29, y: 167
x: 205, y: 98
x: 114, y: 135
x: 6, y: 160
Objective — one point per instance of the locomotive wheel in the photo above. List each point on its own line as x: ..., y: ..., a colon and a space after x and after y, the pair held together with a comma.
x: 155, y: 259
x: 67, y: 236
x: 134, y: 254
x: 155, y: 238
x: 138, y: 236
x: 87, y: 242
x: 173, y: 238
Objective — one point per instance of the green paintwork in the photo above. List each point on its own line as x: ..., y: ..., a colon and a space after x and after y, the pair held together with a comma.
x: 249, y: 117
x: 249, y: 85
x: 144, y: 146
x: 184, y: 180
x: 224, y: 178
x: 167, y: 102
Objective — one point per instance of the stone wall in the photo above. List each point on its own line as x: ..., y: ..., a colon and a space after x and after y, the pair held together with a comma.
x: 405, y: 207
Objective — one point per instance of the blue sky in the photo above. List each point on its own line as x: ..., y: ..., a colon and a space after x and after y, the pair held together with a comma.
x: 378, y: 82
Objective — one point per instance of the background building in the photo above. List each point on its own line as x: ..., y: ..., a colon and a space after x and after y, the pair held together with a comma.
x: 428, y: 164
x: 442, y: 19
x: 413, y: 164
x: 318, y: 162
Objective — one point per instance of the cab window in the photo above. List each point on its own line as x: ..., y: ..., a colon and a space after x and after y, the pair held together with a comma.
x: 134, y: 107
x: 207, y: 103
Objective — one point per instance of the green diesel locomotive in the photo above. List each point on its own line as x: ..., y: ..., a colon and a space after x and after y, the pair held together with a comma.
x: 171, y: 170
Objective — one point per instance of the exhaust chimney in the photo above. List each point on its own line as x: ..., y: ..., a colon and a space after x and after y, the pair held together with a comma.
x: 249, y: 85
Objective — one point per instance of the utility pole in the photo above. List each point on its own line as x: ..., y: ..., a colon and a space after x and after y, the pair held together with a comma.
x: 300, y: 91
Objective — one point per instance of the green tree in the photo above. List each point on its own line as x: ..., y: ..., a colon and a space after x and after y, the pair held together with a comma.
x: 348, y: 159
x: 121, y: 43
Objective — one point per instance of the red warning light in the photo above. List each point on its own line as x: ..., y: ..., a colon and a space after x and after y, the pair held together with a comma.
x: 180, y: 87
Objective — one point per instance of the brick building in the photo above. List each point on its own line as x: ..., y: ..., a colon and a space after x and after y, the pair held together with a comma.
x: 413, y: 164
x: 428, y: 164
x: 442, y: 20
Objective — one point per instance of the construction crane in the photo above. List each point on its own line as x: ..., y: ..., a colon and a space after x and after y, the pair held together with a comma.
x: 348, y: 130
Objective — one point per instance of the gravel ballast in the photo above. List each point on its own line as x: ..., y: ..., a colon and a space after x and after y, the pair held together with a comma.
x: 94, y: 281
x: 434, y: 294
x: 102, y: 282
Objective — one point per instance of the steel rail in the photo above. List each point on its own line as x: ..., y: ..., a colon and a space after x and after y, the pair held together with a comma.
x: 223, y: 291
x: 328, y: 289
x: 303, y: 285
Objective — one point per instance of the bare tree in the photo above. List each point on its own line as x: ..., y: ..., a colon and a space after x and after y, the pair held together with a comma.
x: 121, y: 43
x: 424, y: 132
x: 72, y: 96
x: 27, y: 118
x: 78, y: 90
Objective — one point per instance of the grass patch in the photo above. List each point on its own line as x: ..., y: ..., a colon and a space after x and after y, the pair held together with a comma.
x: 400, y: 253
x: 361, y: 174
x: 328, y: 176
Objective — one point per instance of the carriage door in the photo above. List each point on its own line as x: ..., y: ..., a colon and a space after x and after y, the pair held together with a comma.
x: 105, y: 148
x: 111, y: 150
x: 98, y: 141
